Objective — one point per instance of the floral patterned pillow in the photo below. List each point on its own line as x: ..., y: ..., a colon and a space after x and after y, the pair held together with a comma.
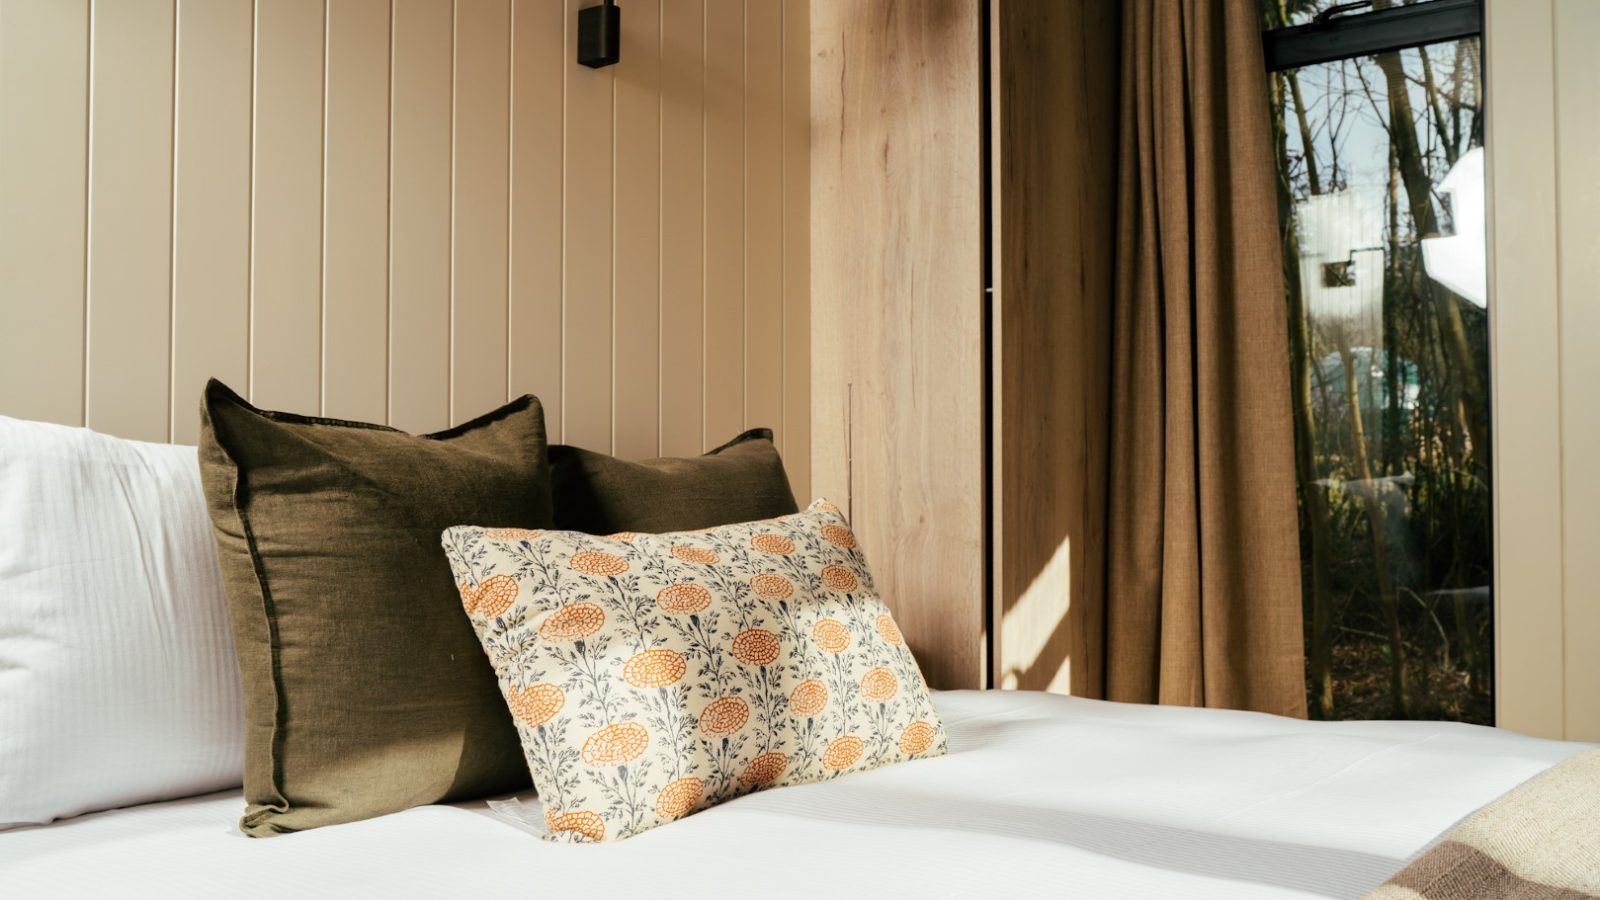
x: 652, y: 676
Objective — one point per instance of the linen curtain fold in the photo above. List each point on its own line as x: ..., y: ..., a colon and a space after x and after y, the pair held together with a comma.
x: 1203, y: 575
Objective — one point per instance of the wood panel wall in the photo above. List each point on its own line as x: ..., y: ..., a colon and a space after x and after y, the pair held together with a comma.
x: 407, y: 211
x: 898, y: 354
x: 1054, y: 129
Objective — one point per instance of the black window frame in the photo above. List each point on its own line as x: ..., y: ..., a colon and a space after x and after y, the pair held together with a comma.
x: 1346, y: 33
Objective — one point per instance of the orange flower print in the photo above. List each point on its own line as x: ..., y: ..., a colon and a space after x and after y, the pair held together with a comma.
x: 536, y: 704
x: 654, y: 668
x: 775, y: 544
x: 843, y: 752
x: 491, y: 598
x: 831, y: 635
x: 695, y: 555
x: 825, y: 504
x: 838, y: 578
x: 755, y: 646
x: 839, y: 536
x: 774, y: 586
x: 573, y: 621
x: 615, y: 744
x: 626, y: 537
x: 511, y: 534
x: 679, y: 797
x: 764, y: 769
x: 724, y: 716
x: 579, y: 821
x: 889, y: 631
x: 879, y: 684
x: 917, y: 737
x: 808, y: 698
x: 683, y: 598
x: 593, y: 562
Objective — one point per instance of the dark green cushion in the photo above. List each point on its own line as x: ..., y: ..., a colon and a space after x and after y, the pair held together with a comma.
x: 741, y: 481
x: 366, y: 691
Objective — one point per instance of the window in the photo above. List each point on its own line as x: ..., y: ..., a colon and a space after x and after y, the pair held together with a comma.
x: 1378, y: 121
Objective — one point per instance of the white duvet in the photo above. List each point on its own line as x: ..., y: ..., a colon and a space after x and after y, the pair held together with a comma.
x: 1041, y: 796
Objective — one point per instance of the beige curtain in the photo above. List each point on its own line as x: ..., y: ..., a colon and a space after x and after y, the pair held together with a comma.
x: 1203, y: 580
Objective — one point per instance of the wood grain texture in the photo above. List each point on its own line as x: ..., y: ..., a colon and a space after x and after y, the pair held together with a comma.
x: 897, y: 203
x: 683, y: 217
x: 538, y: 64
x: 587, y: 254
x: 1053, y: 163
x: 130, y: 219
x: 44, y: 140
x: 479, y: 244
x: 361, y: 208
x: 1577, y: 32
x: 419, y: 216
x: 286, y: 208
x: 355, y: 276
x: 636, y: 260
x: 724, y: 224
x: 210, y: 205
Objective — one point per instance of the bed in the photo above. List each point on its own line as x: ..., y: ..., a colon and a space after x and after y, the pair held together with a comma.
x: 1041, y: 796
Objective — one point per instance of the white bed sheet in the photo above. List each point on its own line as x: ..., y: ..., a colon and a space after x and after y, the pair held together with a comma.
x: 1041, y: 796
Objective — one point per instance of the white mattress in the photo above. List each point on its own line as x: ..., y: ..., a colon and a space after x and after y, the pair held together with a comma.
x: 1041, y: 796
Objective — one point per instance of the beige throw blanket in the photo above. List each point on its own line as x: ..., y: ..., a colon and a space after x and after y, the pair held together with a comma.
x: 1541, y: 841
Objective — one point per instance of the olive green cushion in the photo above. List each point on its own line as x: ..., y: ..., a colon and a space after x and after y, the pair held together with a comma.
x: 741, y: 481
x: 366, y: 691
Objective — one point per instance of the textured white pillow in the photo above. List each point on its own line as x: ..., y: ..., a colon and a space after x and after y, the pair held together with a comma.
x: 118, y: 683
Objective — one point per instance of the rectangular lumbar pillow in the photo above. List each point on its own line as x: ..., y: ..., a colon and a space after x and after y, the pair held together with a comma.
x: 740, y: 481
x: 118, y: 683
x: 365, y: 689
x: 654, y: 675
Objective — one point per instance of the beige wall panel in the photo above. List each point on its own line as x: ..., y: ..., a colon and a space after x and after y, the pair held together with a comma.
x: 586, y: 313
x: 1054, y: 97
x: 1524, y: 292
x: 832, y: 263
x: 682, y: 226
x: 44, y: 114
x: 724, y: 251
x: 539, y: 48
x: 286, y: 260
x: 211, y: 205
x: 763, y: 216
x: 1577, y: 33
x: 130, y: 219
x: 796, y: 442
x: 897, y: 195
x: 636, y: 333
x: 419, y: 216
x: 479, y: 243
x: 355, y: 280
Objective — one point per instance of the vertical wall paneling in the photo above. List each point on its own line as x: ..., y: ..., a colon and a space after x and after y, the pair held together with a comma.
x: 683, y: 213
x: 636, y: 214
x: 763, y: 217
x: 44, y: 109
x: 897, y: 198
x: 355, y: 279
x: 1577, y: 33
x: 587, y: 255
x: 405, y: 211
x: 832, y: 340
x: 419, y: 216
x: 796, y: 433
x: 130, y: 219
x: 286, y: 207
x: 724, y: 228
x: 539, y: 48
x: 479, y: 299
x: 210, y: 205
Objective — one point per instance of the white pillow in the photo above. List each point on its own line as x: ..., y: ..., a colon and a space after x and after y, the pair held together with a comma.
x: 118, y: 683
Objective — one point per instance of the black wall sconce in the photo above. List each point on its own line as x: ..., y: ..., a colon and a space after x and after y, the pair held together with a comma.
x: 600, y: 35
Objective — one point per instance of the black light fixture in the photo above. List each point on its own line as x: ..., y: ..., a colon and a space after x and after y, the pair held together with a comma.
x: 600, y: 35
